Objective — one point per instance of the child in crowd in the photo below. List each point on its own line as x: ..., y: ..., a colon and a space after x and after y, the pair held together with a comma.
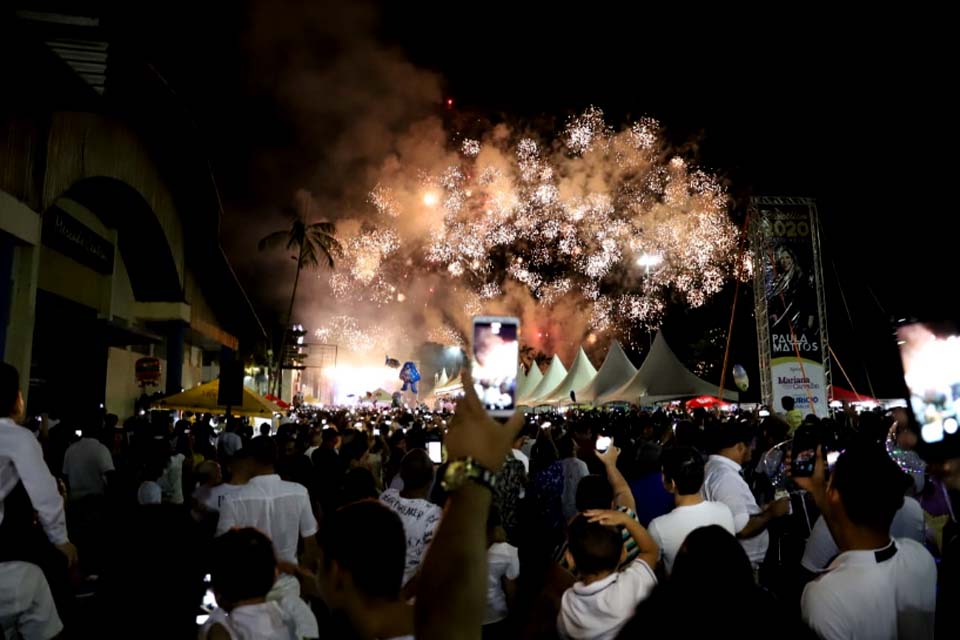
x: 503, y: 569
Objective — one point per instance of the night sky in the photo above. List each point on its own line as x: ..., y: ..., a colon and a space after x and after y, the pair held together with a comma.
x: 855, y: 111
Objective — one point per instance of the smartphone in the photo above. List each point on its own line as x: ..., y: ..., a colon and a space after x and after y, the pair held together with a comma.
x: 764, y: 413
x: 376, y: 431
x: 804, y: 451
x: 603, y: 443
x: 78, y: 433
x: 930, y: 354
x: 496, y: 357
x: 546, y: 425
x: 435, y: 451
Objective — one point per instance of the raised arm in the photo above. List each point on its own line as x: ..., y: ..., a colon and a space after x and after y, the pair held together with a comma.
x: 452, y: 585
x: 622, y: 496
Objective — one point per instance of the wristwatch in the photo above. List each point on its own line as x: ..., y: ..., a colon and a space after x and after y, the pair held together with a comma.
x: 459, y: 471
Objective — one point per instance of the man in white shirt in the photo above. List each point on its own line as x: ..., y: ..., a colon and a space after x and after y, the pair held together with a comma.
x: 86, y: 465
x: 420, y: 517
x: 877, y: 587
x: 520, y: 455
x: 821, y: 548
x: 28, y: 491
x: 600, y: 604
x: 733, y: 443
x: 281, y: 511
x: 683, y: 477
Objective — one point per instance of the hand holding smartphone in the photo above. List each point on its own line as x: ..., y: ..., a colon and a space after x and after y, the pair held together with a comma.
x: 496, y: 356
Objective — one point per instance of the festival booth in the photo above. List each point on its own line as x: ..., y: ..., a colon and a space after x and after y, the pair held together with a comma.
x: 581, y: 373
x: 663, y: 377
x: 616, y: 371
x: 379, y: 397
x: 453, y: 387
x: 203, y: 399
x: 551, y: 379
x: 529, y: 381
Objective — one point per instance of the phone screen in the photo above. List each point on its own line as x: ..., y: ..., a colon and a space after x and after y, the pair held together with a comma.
x: 435, y: 451
x: 496, y: 352
x: 930, y: 355
x: 603, y: 443
x: 376, y: 431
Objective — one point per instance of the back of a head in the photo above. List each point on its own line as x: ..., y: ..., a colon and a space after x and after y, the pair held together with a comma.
x: 243, y: 565
x: 595, y: 548
x: 870, y: 484
x: 354, y: 446
x: 543, y: 454
x: 329, y: 436
x: 9, y: 390
x: 262, y: 452
x: 684, y: 467
x: 416, y: 470
x: 566, y: 446
x: 728, y: 434
x: 709, y: 552
x: 788, y: 403
x: 265, y: 429
x: 366, y: 539
x: 594, y: 492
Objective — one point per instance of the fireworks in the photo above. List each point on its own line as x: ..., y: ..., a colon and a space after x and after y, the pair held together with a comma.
x: 601, y: 217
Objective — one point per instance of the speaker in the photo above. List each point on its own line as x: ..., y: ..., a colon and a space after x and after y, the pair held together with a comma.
x: 230, y: 393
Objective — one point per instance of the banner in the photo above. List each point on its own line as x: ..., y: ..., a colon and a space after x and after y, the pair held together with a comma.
x: 794, y: 358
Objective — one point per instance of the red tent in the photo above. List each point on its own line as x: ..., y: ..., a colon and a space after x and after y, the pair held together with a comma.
x: 706, y: 402
x: 277, y: 401
x: 845, y: 395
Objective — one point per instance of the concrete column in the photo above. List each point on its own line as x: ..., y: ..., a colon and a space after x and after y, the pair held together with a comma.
x: 174, y: 336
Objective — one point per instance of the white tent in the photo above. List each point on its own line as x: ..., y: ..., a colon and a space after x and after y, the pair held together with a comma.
x: 581, y: 373
x: 454, y: 386
x: 663, y: 377
x: 521, y: 378
x: 616, y: 371
x: 443, y: 379
x: 530, y: 381
x: 554, y: 376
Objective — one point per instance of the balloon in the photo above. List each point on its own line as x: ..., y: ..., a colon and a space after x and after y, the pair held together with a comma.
x: 410, y: 376
x: 740, y: 377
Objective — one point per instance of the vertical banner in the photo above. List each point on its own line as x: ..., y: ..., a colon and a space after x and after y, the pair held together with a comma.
x: 792, y: 330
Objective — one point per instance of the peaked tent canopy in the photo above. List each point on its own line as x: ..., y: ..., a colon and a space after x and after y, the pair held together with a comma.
x: 380, y: 396
x: 616, y: 371
x: 530, y: 381
x: 443, y: 379
x: 554, y: 376
x: 581, y: 373
x: 453, y: 386
x: 663, y: 377
x: 203, y: 399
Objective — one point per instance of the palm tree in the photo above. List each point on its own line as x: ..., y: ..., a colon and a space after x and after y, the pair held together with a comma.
x: 315, y: 246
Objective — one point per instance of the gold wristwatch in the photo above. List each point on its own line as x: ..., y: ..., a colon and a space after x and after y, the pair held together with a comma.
x: 459, y: 471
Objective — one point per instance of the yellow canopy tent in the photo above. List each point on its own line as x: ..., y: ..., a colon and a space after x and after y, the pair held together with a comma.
x: 203, y: 399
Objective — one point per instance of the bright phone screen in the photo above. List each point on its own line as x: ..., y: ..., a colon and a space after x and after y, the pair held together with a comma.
x: 931, y: 367
x: 496, y: 351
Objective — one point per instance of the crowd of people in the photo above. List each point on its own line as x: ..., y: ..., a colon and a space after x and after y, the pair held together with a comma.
x: 348, y: 523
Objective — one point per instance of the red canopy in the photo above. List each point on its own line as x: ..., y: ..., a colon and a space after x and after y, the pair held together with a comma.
x: 277, y: 401
x: 706, y: 402
x: 845, y: 395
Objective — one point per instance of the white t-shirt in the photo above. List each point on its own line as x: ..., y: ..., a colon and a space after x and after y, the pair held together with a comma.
x: 598, y: 611
x: 253, y: 621
x: 670, y: 530
x: 171, y: 482
x: 212, y: 497
x: 502, y: 562
x: 722, y: 482
x: 522, y: 457
x: 574, y: 470
x: 420, y: 519
x: 821, y: 547
x: 888, y: 593
x: 84, y: 464
x: 27, y: 609
x: 229, y: 443
x: 279, y: 509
